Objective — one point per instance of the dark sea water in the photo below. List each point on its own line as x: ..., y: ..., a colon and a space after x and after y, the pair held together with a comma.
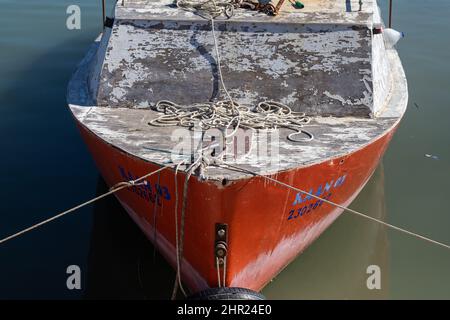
x: 45, y: 168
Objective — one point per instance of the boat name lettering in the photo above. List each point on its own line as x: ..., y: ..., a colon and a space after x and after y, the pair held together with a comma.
x: 321, y: 190
x: 147, y: 191
x: 295, y: 213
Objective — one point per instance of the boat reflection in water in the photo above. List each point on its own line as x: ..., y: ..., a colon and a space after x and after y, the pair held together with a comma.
x: 123, y: 263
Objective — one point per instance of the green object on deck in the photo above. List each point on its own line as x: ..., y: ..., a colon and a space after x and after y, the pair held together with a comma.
x: 299, y: 5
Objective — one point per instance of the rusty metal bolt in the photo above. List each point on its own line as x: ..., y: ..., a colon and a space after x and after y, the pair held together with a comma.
x: 221, y: 233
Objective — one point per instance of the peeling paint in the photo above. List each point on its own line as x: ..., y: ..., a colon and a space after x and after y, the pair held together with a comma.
x: 152, y: 60
x: 129, y: 50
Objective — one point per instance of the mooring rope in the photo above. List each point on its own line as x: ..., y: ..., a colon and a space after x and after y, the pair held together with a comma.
x: 155, y: 219
x: 347, y: 209
x: 218, y: 272
x: 199, y: 163
x: 219, y: 60
x: 180, y: 237
x: 177, y: 241
x: 114, y: 189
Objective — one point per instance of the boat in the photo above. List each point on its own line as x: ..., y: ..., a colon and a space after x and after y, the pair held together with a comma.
x: 241, y: 130
x: 140, y: 272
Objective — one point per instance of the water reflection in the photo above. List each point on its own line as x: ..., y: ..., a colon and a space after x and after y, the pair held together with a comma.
x: 122, y: 263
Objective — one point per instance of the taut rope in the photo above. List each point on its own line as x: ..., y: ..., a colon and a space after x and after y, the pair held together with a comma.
x: 388, y: 225
x: 114, y: 189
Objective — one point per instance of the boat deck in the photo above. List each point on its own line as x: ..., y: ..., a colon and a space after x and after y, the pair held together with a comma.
x: 156, y: 52
x: 128, y: 129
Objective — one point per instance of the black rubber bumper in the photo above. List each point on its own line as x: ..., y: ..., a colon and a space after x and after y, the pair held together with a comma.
x: 227, y: 293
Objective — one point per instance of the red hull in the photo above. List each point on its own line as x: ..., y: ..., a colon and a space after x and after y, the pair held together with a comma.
x: 269, y: 225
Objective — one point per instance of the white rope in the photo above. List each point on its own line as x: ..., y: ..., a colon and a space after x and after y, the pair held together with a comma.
x: 114, y: 189
x: 224, y: 270
x: 388, y: 225
x: 155, y: 215
x: 227, y: 114
x: 209, y: 9
x: 219, y: 64
x: 199, y: 163
x: 221, y: 283
x: 177, y: 241
x: 218, y: 272
x: 224, y: 115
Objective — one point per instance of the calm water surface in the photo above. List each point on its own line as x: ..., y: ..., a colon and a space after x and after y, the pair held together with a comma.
x: 45, y: 168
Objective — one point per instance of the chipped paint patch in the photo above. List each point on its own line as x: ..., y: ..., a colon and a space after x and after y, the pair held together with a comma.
x: 151, y: 60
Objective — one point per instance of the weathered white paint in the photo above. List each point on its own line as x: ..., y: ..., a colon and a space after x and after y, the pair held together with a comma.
x: 128, y: 130
x: 381, y: 71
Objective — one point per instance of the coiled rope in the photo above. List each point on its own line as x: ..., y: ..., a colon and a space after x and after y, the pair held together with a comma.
x: 225, y: 115
x: 229, y: 114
